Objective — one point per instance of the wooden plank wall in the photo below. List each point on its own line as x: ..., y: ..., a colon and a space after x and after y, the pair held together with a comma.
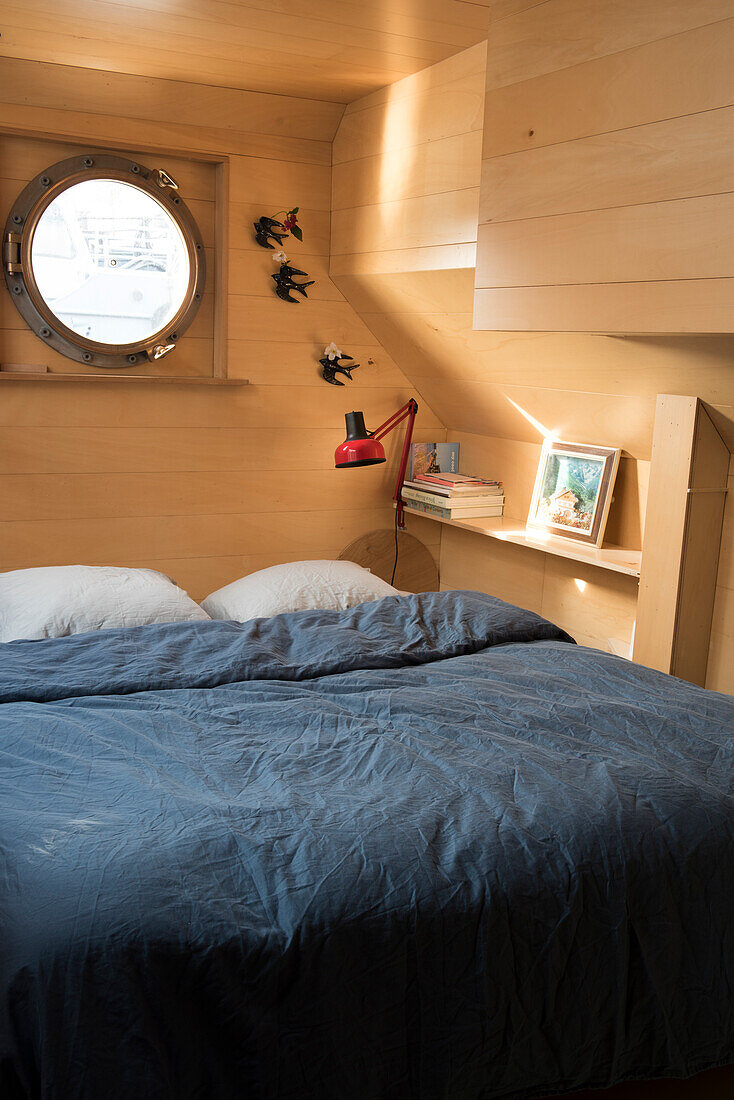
x: 595, y: 606
x: 499, y: 392
x: 203, y: 482
x: 608, y: 168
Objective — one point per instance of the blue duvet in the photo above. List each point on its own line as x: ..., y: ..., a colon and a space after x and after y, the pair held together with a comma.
x: 425, y: 848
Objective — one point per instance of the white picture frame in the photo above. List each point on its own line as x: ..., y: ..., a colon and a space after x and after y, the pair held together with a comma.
x: 573, y: 490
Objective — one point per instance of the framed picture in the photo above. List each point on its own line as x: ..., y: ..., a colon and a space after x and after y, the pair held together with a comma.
x: 573, y: 490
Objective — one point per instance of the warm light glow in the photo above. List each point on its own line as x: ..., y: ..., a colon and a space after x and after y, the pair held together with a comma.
x: 507, y: 532
x: 537, y: 534
x: 398, y: 151
x: 547, y: 433
x: 581, y: 585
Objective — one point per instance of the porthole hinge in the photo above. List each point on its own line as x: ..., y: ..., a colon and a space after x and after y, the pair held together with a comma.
x: 164, y: 180
x: 11, y: 254
x: 158, y: 351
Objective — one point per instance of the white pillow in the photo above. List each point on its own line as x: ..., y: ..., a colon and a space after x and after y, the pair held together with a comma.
x: 71, y: 599
x: 297, y: 586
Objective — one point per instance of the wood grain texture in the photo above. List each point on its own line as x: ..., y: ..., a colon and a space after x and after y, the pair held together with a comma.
x: 448, y: 164
x: 594, y: 606
x: 668, y: 78
x: 698, y: 593
x: 684, y: 306
x: 564, y: 33
x: 458, y: 66
x: 501, y: 9
x: 681, y: 239
x: 297, y: 535
x: 159, y: 137
x: 416, y: 566
x: 194, y: 479
x: 409, y: 223
x: 629, y: 105
x: 675, y: 158
x: 511, y: 573
x: 329, y: 50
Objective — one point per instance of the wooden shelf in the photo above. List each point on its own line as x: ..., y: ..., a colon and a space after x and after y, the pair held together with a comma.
x: 59, y: 376
x: 617, y: 559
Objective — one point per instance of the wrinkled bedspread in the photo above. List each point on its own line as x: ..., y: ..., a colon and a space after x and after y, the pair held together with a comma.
x: 425, y: 848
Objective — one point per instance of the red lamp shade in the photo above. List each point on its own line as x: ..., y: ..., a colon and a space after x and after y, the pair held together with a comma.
x: 363, y: 448
x: 359, y: 448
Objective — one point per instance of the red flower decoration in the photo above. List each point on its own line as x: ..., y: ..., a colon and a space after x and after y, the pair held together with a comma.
x: 290, y: 223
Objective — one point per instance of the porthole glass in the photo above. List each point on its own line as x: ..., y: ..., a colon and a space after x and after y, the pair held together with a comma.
x: 104, y: 260
x: 110, y: 262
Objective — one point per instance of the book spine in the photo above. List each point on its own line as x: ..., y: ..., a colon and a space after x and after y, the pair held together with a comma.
x: 448, y: 513
x: 481, y: 500
x: 425, y: 498
x: 457, y: 479
x: 429, y: 509
x: 422, y: 487
x: 485, y: 512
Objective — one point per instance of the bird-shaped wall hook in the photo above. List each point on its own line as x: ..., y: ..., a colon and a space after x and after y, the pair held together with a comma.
x: 284, y: 282
x: 332, y: 365
x: 267, y: 228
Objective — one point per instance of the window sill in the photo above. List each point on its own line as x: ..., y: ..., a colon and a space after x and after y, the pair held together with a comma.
x: 59, y: 376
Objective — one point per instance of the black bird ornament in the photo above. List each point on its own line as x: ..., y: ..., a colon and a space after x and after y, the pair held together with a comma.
x: 285, y: 283
x: 331, y: 362
x: 268, y: 228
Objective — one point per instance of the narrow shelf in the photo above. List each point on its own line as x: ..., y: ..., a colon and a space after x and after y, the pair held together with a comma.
x: 161, y: 379
x: 617, y: 559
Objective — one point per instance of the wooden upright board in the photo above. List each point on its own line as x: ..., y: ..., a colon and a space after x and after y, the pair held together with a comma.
x: 680, y: 555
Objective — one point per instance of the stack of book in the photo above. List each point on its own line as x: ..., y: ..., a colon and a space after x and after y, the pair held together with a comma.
x: 454, y: 496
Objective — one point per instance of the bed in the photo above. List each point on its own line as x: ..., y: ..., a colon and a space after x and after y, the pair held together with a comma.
x: 423, y: 848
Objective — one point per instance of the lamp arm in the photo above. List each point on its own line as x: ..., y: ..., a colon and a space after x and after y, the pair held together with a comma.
x: 395, y: 419
x: 408, y: 411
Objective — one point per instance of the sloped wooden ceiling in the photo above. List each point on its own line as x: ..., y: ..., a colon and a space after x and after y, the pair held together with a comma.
x: 334, y: 50
x: 405, y: 207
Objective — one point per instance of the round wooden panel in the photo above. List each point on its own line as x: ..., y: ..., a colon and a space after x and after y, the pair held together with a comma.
x: 416, y: 572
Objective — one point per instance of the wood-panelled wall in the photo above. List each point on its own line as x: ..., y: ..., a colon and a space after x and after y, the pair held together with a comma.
x: 413, y: 179
x: 203, y: 482
x: 608, y: 169
x: 595, y: 606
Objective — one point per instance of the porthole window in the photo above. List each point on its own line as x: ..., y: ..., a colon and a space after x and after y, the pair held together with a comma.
x: 104, y: 260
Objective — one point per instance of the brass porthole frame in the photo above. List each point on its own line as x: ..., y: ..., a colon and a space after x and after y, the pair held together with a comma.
x: 20, y: 227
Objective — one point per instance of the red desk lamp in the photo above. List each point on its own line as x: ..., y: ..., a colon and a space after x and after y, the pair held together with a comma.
x: 363, y: 448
